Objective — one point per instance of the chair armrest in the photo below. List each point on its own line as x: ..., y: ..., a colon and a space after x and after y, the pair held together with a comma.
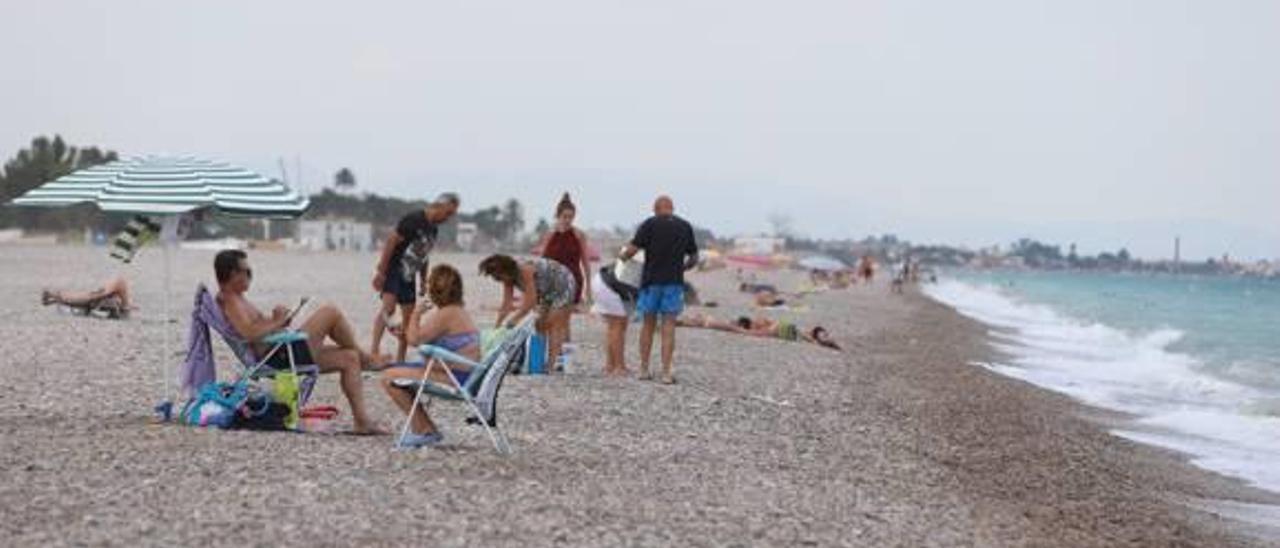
x: 430, y: 351
x: 282, y: 337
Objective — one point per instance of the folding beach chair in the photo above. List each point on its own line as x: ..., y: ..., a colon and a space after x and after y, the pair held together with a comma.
x: 289, y: 344
x: 479, y: 390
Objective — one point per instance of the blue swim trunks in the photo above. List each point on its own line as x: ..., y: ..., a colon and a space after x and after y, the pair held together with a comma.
x: 664, y: 300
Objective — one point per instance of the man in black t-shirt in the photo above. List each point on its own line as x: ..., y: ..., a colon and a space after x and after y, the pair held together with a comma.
x: 669, y: 250
x: 405, y: 257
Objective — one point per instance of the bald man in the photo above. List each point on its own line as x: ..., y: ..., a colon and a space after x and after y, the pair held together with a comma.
x: 669, y: 250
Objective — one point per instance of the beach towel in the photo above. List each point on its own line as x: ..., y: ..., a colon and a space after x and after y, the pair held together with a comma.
x: 136, y: 234
x: 199, y: 369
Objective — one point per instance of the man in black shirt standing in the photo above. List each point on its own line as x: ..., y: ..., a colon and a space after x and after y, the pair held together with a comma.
x: 669, y: 250
x: 405, y: 257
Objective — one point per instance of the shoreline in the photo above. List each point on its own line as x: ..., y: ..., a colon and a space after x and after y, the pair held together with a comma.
x: 898, y: 441
x: 1209, y: 495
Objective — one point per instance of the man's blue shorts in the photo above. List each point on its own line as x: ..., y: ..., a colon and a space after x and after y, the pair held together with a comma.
x: 664, y: 300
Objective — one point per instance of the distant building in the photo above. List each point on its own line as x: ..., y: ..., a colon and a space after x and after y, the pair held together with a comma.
x: 466, y: 237
x: 335, y: 235
x: 758, y: 245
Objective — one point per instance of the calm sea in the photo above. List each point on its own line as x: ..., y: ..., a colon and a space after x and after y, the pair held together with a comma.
x: 1196, y: 360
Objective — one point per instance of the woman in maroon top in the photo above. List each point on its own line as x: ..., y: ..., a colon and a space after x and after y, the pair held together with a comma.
x: 567, y: 245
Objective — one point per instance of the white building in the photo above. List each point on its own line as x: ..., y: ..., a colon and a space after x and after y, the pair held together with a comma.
x: 759, y: 245
x: 467, y: 236
x: 335, y: 235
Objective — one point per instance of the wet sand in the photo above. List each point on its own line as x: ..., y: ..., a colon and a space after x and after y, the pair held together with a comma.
x: 897, y: 441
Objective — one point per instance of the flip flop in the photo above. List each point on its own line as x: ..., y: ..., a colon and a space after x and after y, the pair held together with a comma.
x: 365, y: 434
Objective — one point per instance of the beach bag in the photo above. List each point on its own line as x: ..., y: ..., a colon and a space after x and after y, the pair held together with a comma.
x: 630, y: 272
x: 284, y: 390
x: 261, y: 412
x: 215, y: 404
x: 535, y: 355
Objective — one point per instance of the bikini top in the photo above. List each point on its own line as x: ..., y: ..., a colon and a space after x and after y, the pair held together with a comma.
x: 457, y: 341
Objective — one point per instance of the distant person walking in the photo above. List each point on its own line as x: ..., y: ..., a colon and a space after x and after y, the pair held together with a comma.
x: 567, y: 245
x: 405, y: 258
x: 866, y: 269
x: 669, y: 250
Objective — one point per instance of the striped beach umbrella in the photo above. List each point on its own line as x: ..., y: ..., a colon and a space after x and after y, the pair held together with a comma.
x: 169, y: 186
x: 160, y: 185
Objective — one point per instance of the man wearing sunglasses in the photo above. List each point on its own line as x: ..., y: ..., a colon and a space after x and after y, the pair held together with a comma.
x: 326, y: 322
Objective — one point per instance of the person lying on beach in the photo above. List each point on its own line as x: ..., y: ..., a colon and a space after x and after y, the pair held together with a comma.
x: 231, y: 266
x: 760, y: 326
x: 753, y: 287
x: 769, y: 299
x: 112, y: 298
x: 544, y: 284
x: 440, y: 320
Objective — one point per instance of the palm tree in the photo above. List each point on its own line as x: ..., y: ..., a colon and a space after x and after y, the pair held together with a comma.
x: 344, y: 179
x: 512, y: 219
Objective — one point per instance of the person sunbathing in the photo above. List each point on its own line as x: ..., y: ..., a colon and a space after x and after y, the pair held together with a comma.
x: 753, y: 287
x: 441, y: 320
x: 112, y: 298
x: 769, y: 299
x: 346, y: 358
x: 762, y: 327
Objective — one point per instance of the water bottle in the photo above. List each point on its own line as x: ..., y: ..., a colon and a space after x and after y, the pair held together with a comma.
x: 566, y: 356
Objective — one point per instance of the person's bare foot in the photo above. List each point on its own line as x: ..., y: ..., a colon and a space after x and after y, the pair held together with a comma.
x: 374, y: 362
x: 371, y: 429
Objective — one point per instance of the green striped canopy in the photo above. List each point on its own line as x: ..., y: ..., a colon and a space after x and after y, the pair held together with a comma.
x: 160, y: 185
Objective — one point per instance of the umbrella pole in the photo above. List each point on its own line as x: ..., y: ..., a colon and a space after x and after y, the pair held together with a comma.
x: 164, y: 323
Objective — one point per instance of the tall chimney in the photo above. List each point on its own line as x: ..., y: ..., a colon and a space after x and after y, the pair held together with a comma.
x: 1177, y: 253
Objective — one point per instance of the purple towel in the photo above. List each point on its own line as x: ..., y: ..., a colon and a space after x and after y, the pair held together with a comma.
x: 199, y: 368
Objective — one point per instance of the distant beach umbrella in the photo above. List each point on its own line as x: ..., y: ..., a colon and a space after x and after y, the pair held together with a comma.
x: 159, y: 185
x: 822, y: 262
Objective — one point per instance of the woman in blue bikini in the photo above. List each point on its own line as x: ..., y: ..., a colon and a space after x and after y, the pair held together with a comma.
x: 447, y: 325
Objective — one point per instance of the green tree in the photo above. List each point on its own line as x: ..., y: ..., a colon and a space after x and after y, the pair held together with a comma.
x: 489, y: 222
x: 512, y: 219
x: 344, y: 179
x: 45, y: 160
x: 542, y: 227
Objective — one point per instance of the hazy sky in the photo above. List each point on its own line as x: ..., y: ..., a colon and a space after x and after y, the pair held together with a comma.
x: 1108, y: 123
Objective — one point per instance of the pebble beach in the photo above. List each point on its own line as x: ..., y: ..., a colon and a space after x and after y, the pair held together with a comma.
x: 900, y: 440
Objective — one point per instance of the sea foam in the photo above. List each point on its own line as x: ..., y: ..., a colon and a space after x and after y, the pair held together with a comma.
x: 1224, y: 425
